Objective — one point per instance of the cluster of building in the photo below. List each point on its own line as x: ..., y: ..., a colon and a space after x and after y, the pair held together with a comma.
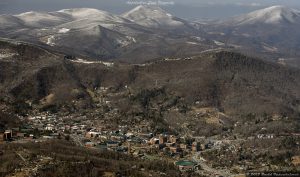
x: 141, y: 144
x: 53, y: 125
x: 173, y: 144
x: 43, y: 126
x: 149, y: 145
x: 137, y: 140
x: 16, y: 134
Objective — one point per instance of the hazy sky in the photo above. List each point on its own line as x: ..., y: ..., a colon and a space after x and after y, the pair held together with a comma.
x: 191, y: 9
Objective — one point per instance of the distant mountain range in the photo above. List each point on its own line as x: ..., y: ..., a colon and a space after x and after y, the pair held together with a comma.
x: 271, y: 15
x: 270, y: 33
x: 102, y: 35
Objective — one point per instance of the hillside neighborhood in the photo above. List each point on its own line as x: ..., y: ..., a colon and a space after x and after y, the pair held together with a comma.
x: 187, y: 153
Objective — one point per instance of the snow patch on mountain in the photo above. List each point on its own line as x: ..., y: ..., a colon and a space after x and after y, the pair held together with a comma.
x: 41, y: 19
x: 108, y: 64
x: 219, y: 43
x: 198, y: 38
x: 90, y: 13
x: 269, y: 48
x: 270, y: 15
x: 63, y: 30
x: 192, y: 43
x: 152, y: 16
x: 125, y: 42
x: 4, y: 55
x: 51, y: 41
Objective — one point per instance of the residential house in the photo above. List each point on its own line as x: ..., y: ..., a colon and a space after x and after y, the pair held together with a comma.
x: 49, y: 127
x: 162, y: 139
x: 8, y: 134
x: 92, y: 135
x: 183, y: 146
x: 196, y: 146
x: 175, y: 149
x: 170, y: 144
x: 154, y: 141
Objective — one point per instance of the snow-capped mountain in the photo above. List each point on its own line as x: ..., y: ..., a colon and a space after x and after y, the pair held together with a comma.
x: 42, y: 19
x: 98, y: 34
x: 89, y: 13
x: 154, y: 17
x: 272, y: 32
x: 152, y: 31
x: 87, y: 18
x: 270, y: 15
x: 48, y: 19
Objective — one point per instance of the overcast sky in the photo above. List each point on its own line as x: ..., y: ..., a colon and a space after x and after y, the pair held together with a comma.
x: 189, y: 9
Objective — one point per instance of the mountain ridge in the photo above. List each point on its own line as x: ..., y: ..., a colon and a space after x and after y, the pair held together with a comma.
x: 153, y: 16
x: 270, y: 33
x: 218, y: 79
x: 119, y: 39
x: 270, y: 15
